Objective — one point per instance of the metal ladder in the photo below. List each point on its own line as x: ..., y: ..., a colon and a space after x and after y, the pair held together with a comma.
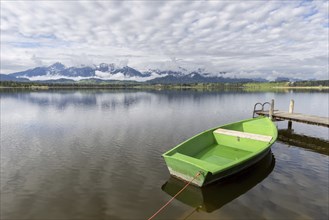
x: 259, y: 110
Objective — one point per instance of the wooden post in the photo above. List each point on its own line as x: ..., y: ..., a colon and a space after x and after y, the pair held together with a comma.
x: 291, y: 106
x: 270, y: 113
x: 291, y: 110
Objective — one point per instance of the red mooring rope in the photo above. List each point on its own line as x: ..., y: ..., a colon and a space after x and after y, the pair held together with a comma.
x: 164, y: 206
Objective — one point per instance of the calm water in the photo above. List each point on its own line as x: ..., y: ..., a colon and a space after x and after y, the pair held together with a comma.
x: 97, y: 155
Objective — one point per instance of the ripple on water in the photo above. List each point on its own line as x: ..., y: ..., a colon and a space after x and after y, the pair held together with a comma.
x: 97, y: 155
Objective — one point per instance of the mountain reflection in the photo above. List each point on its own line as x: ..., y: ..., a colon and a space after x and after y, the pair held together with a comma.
x: 63, y: 100
x: 107, y: 99
x: 214, y: 196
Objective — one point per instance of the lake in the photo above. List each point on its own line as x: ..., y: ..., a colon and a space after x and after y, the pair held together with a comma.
x: 96, y: 154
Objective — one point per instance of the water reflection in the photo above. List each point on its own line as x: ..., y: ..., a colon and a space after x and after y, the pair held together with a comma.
x: 307, y: 142
x: 114, y: 99
x: 93, y: 154
x: 214, y: 196
x: 63, y: 100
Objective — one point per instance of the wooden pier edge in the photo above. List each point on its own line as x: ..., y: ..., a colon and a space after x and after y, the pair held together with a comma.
x: 291, y: 116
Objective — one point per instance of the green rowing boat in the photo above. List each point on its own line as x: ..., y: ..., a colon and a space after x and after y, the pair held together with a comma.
x: 222, y: 151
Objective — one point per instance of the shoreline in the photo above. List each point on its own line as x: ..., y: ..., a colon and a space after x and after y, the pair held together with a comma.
x: 246, y: 86
x: 166, y: 87
x: 301, y: 87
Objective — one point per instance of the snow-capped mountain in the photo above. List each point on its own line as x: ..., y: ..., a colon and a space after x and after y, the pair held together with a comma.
x: 104, y: 71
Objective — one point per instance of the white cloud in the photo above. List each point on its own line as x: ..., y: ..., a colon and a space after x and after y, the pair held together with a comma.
x: 81, y: 59
x: 121, y: 76
x: 286, y: 37
x: 37, y: 60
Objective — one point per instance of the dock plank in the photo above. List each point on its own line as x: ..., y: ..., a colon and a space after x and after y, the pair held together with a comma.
x: 299, y: 117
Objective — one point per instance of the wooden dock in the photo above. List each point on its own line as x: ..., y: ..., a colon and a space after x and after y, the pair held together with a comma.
x: 290, y: 115
x: 298, y: 117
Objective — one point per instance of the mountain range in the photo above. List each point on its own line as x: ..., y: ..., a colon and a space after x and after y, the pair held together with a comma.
x: 58, y: 72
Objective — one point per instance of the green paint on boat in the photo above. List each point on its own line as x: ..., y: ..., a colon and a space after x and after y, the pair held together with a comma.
x: 221, y: 151
x: 214, y: 196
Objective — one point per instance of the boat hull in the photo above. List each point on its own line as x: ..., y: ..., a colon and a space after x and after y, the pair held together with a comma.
x: 207, y: 178
x: 221, y: 152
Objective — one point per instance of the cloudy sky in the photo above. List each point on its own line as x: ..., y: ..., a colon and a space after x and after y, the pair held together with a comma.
x: 246, y: 38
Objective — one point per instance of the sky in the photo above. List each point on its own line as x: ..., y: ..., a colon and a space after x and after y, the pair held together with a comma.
x: 265, y: 39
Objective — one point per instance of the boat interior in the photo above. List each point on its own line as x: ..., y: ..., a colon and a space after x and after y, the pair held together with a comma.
x: 222, y: 146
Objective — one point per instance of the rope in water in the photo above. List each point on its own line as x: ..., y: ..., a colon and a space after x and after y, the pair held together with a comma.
x: 164, y: 206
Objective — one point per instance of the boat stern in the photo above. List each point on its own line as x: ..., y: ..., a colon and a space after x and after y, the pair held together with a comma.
x: 185, y: 171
